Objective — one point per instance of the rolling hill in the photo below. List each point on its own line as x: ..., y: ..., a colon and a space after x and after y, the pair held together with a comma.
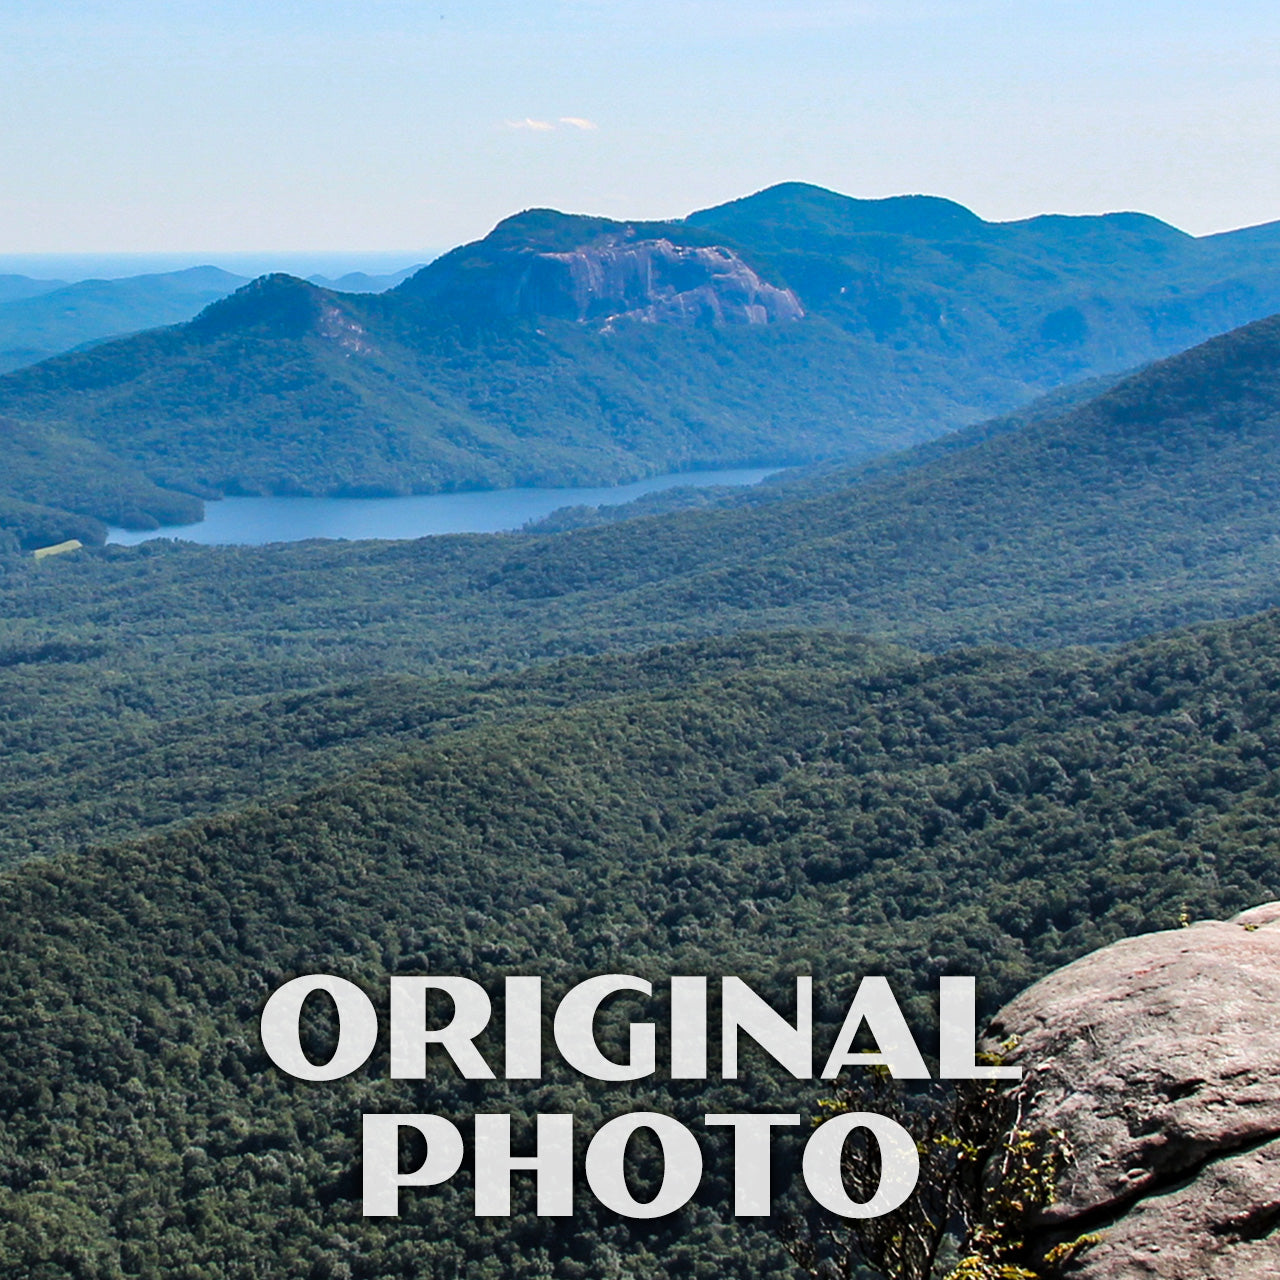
x: 44, y: 318
x: 14, y: 286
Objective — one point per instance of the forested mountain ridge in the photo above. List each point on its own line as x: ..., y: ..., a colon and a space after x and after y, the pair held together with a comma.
x: 782, y: 805
x: 793, y: 325
x: 1157, y: 492
x: 1150, y: 505
x: 37, y: 327
x: 44, y: 318
x: 828, y: 477
x: 168, y: 680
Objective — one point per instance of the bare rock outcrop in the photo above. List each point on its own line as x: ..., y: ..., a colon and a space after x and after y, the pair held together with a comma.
x: 602, y: 275
x: 619, y: 280
x: 658, y: 282
x: 1159, y: 1057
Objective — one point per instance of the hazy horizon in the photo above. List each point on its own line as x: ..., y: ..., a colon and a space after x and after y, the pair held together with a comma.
x: 148, y: 126
x: 71, y: 265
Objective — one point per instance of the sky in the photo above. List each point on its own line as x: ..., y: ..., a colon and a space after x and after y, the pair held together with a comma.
x: 141, y: 126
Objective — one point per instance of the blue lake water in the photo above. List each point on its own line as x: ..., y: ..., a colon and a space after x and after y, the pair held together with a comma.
x: 254, y: 521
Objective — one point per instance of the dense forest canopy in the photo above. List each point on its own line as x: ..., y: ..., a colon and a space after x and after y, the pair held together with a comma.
x: 763, y: 806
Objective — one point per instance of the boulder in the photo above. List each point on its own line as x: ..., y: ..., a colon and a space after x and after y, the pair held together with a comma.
x: 1159, y: 1059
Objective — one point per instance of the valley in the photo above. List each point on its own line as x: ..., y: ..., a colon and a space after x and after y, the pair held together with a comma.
x: 965, y: 694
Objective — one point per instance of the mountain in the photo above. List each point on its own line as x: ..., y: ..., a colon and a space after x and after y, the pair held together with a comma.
x: 44, y: 318
x: 50, y: 322
x: 762, y: 806
x: 362, y: 281
x: 13, y: 287
x: 792, y: 325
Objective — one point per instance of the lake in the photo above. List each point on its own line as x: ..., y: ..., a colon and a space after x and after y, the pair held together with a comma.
x: 254, y: 521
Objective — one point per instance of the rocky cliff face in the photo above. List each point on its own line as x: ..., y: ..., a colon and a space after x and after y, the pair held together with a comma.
x: 655, y: 282
x: 1159, y: 1057
x: 607, y: 279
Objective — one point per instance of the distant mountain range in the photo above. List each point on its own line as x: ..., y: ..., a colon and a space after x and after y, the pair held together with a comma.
x: 792, y: 325
x: 14, y: 287
x: 48, y: 322
x: 43, y: 318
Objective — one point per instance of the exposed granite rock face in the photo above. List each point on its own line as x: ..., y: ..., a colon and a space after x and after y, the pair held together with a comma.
x: 1159, y: 1056
x: 649, y: 282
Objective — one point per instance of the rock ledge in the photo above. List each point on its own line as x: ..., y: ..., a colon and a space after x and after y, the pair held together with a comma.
x: 1159, y: 1057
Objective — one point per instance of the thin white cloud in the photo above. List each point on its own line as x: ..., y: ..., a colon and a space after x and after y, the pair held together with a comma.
x: 549, y: 126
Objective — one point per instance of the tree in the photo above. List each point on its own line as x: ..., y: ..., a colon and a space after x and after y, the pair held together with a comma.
x: 983, y: 1176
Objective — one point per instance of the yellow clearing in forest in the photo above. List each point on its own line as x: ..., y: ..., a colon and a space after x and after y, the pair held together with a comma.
x: 72, y: 544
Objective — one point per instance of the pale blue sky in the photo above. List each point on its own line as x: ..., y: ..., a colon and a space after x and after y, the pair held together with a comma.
x: 136, y: 125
